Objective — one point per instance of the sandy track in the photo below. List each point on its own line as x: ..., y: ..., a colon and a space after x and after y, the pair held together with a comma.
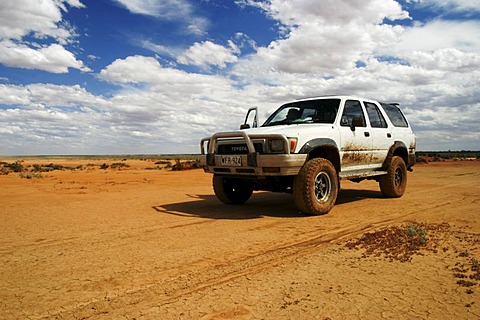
x: 136, y: 243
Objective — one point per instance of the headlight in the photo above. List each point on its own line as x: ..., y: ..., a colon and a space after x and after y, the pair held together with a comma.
x: 279, y: 145
x: 276, y: 145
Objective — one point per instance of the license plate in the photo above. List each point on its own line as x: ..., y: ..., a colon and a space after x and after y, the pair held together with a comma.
x: 232, y: 161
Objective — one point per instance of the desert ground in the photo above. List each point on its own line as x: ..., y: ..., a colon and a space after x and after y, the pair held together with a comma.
x: 133, y: 243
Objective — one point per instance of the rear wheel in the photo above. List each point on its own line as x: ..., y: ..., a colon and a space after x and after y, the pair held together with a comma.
x: 315, y: 188
x: 394, y: 183
x: 232, y: 190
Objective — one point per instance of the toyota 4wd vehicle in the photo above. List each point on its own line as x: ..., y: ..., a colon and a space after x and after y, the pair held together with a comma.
x: 307, y: 146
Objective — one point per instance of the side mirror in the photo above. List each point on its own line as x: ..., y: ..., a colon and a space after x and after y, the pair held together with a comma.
x: 245, y: 125
x: 357, y: 122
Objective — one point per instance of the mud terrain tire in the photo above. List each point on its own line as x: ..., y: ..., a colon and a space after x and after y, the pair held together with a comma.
x: 394, y: 183
x: 315, y: 188
x: 231, y: 190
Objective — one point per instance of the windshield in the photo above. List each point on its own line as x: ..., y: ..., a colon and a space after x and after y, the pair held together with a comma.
x: 312, y: 111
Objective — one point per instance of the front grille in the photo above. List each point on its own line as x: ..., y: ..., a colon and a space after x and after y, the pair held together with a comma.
x: 237, y: 148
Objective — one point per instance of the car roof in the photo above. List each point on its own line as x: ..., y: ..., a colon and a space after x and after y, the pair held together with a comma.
x: 344, y: 97
x: 334, y: 96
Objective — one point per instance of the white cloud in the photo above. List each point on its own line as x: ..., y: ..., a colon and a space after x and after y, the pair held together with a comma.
x: 451, y: 5
x: 169, y: 9
x: 46, y: 118
x: 207, y: 54
x: 179, y: 10
x: 172, y: 104
x: 49, y: 95
x: 198, y: 26
x: 324, y: 38
x: 203, y: 54
x: 37, y: 131
x: 133, y: 69
x: 53, y: 58
x: 429, y: 66
x: 437, y: 34
x: 432, y: 69
x: 160, y: 49
x: 244, y: 41
x: 446, y: 60
x: 141, y: 69
x: 294, y: 12
x: 317, y: 48
x: 168, y: 116
x: 19, y: 19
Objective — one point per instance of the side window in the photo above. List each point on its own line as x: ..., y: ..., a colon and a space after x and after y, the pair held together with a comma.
x: 352, y: 113
x: 395, y: 115
x: 308, y: 114
x: 376, y: 118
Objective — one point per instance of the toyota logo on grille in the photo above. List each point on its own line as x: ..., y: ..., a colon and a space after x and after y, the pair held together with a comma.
x: 240, y: 148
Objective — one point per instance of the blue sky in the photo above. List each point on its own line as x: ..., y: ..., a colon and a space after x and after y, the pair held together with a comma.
x: 156, y: 76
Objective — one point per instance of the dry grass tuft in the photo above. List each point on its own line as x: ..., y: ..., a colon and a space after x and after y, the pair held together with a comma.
x: 397, y: 242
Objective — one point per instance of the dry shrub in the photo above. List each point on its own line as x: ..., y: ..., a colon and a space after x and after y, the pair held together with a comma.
x: 186, y: 165
x: 396, y: 242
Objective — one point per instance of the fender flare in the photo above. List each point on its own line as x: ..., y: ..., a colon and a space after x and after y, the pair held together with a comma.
x: 396, y: 145
x: 315, y: 143
x: 327, y: 148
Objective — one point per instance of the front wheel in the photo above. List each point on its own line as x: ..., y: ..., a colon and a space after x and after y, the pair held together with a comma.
x: 394, y: 183
x: 315, y: 188
x: 232, y: 190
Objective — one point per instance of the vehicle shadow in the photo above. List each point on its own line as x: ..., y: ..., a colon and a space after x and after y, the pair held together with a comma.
x: 260, y: 205
x: 209, y: 207
x: 352, y: 195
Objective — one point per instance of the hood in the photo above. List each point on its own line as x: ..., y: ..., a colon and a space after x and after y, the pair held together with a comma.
x: 291, y: 131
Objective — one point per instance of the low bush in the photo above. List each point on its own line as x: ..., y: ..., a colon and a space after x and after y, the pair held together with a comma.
x: 186, y: 165
x: 119, y: 165
x: 15, y: 167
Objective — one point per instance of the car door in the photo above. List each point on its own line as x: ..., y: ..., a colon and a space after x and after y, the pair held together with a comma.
x: 381, y: 134
x: 355, y: 141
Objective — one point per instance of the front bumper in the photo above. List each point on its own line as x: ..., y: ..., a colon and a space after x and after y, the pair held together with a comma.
x: 256, y: 164
x: 253, y: 163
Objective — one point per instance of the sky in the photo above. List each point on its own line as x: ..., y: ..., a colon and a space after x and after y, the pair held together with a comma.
x: 103, y: 77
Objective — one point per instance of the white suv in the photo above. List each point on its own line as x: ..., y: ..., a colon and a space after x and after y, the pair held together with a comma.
x: 306, y: 146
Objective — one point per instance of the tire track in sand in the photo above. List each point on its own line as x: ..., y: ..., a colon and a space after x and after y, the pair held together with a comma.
x: 200, y: 276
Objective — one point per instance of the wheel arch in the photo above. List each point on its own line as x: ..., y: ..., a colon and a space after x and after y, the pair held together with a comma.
x: 397, y: 149
x: 322, y: 148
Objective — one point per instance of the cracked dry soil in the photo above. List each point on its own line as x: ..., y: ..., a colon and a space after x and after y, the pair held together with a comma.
x: 131, y: 243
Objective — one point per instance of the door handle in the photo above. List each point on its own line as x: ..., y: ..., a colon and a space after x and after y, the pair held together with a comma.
x: 389, y: 135
x: 367, y: 134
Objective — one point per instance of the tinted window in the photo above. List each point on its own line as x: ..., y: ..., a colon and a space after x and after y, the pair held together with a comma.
x: 353, y: 111
x: 311, y: 111
x: 395, y: 115
x: 376, y: 118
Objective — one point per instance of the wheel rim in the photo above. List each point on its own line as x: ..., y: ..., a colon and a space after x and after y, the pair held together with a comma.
x: 323, y: 186
x: 398, y: 177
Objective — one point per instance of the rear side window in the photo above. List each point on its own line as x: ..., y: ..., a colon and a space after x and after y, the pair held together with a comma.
x: 376, y: 118
x: 395, y: 115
